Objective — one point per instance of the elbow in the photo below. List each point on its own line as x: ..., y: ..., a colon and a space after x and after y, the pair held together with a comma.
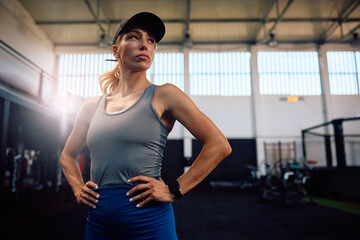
x: 224, y: 150
x: 227, y: 149
x: 61, y: 159
x: 64, y: 158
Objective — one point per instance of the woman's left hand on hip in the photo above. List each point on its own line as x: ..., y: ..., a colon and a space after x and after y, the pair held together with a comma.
x: 152, y: 190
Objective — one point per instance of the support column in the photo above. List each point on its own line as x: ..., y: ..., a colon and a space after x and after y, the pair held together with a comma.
x: 186, y: 71
x: 339, y: 142
x: 303, y: 144
x: 254, y: 88
x: 328, y: 151
x: 255, y: 102
x: 187, y: 137
x: 4, y: 135
x: 324, y: 83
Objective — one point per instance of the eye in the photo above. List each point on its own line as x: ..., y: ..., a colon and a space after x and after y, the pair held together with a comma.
x: 151, y: 40
x: 133, y: 37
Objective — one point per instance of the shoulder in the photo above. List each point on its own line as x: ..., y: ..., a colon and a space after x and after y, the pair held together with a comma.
x: 89, y: 107
x: 91, y: 102
x: 168, y: 90
x: 172, y: 97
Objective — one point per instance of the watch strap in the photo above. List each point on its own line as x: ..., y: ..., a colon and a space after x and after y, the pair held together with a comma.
x: 174, y: 188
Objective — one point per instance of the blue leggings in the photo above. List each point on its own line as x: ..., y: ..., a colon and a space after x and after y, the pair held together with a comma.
x: 115, y: 217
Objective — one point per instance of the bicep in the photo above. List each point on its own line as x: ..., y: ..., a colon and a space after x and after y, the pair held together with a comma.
x: 77, y: 138
x: 188, y: 114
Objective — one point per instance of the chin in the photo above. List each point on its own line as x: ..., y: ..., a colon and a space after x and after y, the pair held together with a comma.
x: 141, y: 67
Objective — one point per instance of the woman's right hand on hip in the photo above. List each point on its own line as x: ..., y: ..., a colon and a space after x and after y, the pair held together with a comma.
x: 87, y: 196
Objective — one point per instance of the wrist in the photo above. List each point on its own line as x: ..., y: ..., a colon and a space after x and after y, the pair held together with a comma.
x: 174, y: 189
x: 77, y: 191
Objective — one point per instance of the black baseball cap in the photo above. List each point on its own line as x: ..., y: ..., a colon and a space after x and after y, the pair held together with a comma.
x: 147, y: 20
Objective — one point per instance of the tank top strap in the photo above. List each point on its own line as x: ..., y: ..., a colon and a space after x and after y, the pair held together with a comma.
x: 102, y: 99
x: 149, y: 93
x: 99, y: 105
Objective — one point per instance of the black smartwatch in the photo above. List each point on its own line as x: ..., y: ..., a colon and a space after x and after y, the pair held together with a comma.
x: 174, y: 189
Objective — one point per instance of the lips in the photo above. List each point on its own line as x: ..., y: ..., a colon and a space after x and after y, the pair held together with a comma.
x: 143, y: 56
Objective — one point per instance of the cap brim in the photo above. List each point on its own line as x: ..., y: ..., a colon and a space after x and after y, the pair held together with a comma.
x: 149, y: 21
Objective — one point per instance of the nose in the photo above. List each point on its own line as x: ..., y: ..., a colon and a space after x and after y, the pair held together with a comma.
x: 144, y: 44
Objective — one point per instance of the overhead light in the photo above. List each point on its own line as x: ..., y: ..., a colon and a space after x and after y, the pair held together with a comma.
x: 102, y: 42
x: 272, y: 42
x: 187, y: 41
x: 355, y: 39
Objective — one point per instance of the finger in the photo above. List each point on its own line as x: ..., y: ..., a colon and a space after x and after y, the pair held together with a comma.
x: 136, y: 189
x: 140, y: 179
x: 91, y: 184
x: 88, y: 198
x: 143, y: 203
x: 86, y: 202
x: 140, y: 196
x: 90, y: 192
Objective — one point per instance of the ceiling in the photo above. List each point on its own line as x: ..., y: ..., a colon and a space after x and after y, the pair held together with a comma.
x: 83, y: 22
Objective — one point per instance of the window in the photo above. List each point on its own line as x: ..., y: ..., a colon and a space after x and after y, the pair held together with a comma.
x: 167, y: 68
x: 220, y: 73
x: 343, y: 68
x: 79, y: 73
x: 289, y: 73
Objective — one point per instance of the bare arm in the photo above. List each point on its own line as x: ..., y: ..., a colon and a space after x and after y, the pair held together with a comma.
x: 179, y: 106
x: 216, y: 147
x: 74, y: 144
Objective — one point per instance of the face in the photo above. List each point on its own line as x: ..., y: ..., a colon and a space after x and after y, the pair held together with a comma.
x: 135, y: 50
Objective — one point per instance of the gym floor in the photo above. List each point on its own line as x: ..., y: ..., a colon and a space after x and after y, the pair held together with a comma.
x: 201, y: 214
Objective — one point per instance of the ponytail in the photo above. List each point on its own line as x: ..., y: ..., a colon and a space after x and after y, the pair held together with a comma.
x: 110, y: 80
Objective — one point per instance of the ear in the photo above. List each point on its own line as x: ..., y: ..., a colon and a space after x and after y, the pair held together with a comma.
x: 114, y: 50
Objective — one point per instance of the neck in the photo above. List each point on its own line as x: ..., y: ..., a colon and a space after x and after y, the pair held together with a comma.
x: 130, y: 82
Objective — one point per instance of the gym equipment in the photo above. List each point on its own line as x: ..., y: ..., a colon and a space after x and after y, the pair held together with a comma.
x: 285, y: 180
x: 317, y: 142
x: 337, y: 172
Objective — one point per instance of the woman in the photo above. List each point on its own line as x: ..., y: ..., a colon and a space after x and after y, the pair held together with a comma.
x: 126, y: 131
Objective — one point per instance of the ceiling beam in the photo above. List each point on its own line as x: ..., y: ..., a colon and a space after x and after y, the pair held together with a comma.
x: 187, y: 20
x: 269, y: 36
x: 280, y: 16
x: 266, y: 20
x: 222, y: 20
x: 249, y: 42
x: 354, y: 29
x: 349, y: 34
x: 97, y: 21
x: 343, y: 17
x: 100, y: 8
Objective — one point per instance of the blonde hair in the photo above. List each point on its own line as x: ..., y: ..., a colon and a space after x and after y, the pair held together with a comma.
x: 110, y: 80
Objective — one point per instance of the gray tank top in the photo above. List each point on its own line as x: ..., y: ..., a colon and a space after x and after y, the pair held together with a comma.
x: 126, y: 144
